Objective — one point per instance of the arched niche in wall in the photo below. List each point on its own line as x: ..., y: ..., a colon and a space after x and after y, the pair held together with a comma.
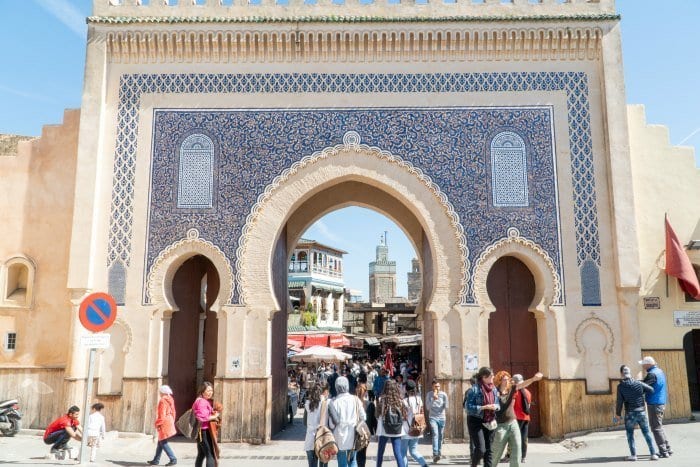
x: 18, y: 287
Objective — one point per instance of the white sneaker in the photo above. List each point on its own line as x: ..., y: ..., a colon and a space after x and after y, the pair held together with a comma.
x: 654, y: 457
x: 631, y: 458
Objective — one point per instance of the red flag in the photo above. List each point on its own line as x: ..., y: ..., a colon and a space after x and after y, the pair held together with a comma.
x: 678, y: 264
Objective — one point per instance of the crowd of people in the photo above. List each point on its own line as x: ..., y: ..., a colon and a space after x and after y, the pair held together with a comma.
x: 341, y: 400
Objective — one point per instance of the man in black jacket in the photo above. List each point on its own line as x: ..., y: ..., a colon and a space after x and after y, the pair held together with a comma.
x: 630, y: 393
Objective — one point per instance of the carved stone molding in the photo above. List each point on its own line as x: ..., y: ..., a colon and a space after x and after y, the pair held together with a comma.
x: 128, y: 332
x: 161, y: 275
x: 593, y: 320
x: 417, y: 44
x: 547, y: 282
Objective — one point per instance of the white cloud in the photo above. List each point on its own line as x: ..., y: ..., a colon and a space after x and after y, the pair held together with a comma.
x: 27, y: 95
x: 66, y: 13
x: 327, y: 232
x: 693, y: 133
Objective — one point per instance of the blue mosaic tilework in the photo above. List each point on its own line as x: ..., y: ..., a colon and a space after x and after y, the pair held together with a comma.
x: 574, y: 84
x: 450, y: 145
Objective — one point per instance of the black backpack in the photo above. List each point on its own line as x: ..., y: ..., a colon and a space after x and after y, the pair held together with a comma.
x: 393, y: 421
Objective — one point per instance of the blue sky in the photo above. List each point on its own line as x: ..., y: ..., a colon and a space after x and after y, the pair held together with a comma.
x: 42, y: 74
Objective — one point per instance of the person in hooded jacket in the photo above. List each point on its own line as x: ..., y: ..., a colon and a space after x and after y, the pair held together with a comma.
x: 165, y: 425
x: 630, y: 394
x: 345, y: 412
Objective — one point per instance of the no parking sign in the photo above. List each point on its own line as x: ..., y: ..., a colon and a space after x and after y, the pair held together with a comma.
x: 97, y: 311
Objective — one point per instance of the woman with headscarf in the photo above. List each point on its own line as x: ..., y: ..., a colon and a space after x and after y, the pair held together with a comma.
x: 165, y: 425
x: 205, y: 414
x: 481, y: 404
x: 315, y: 397
x: 508, y: 431
x: 345, y: 411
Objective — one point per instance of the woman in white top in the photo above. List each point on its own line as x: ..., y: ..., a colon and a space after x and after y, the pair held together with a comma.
x: 315, y: 397
x: 410, y: 443
x: 389, y: 407
x: 345, y: 411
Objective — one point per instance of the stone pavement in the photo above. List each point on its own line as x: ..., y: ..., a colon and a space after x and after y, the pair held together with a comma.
x: 128, y: 449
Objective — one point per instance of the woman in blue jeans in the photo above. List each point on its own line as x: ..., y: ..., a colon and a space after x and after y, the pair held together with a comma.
x: 436, y: 405
x: 409, y: 444
x: 316, y: 396
x: 390, y: 406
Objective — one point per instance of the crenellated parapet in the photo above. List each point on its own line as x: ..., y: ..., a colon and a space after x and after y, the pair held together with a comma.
x: 344, y: 10
x: 381, y: 31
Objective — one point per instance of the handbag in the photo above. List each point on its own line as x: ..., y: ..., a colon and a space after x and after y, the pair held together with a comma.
x: 490, y: 425
x: 362, y: 433
x: 325, y: 446
x: 418, y: 423
x: 188, y: 424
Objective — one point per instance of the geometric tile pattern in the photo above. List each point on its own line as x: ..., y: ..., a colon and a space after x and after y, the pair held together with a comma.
x: 450, y: 146
x: 509, y: 177
x: 574, y: 84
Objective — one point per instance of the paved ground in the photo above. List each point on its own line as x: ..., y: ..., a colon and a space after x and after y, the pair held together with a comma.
x: 127, y: 449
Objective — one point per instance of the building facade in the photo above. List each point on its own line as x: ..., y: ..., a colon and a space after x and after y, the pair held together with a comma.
x: 211, y: 136
x: 315, y: 276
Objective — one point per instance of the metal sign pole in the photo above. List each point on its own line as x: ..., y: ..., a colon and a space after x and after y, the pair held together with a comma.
x: 86, y: 405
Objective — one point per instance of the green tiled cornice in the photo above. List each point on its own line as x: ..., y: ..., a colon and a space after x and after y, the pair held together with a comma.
x: 345, y: 19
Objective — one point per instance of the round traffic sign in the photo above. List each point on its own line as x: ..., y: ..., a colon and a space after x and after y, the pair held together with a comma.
x: 97, y: 311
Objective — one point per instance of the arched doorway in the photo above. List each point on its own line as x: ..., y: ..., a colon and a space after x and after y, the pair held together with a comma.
x: 193, y: 329
x: 512, y: 327
x: 691, y: 345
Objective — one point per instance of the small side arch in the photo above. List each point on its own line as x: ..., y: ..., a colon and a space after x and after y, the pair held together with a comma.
x: 547, y: 283
x: 159, y: 292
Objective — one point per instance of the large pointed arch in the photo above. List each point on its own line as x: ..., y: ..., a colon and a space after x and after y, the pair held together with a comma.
x: 353, y: 161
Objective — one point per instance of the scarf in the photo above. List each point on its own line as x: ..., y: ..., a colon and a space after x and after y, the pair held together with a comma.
x: 489, y: 398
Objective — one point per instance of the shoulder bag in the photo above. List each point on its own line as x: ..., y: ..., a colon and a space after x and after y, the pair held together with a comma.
x: 418, y: 423
x: 362, y: 433
x: 325, y: 446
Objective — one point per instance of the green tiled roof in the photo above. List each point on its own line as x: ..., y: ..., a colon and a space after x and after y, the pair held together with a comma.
x: 345, y: 19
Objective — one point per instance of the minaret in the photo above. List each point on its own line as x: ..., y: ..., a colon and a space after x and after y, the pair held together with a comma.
x: 414, y: 281
x: 382, y: 274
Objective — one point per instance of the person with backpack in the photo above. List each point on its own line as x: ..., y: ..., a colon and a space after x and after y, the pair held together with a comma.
x: 315, y: 398
x: 345, y: 411
x: 436, y: 406
x: 391, y: 425
x: 414, y: 431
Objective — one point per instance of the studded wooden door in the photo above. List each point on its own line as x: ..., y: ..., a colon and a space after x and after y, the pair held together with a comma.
x: 512, y: 328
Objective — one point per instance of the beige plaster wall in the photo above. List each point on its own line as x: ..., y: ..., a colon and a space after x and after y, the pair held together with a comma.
x: 666, y: 180
x: 36, y: 208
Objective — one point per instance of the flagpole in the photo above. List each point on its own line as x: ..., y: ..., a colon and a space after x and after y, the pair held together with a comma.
x: 665, y: 273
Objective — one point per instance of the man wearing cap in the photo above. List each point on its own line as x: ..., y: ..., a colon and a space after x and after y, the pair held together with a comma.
x: 656, y: 403
x: 630, y: 393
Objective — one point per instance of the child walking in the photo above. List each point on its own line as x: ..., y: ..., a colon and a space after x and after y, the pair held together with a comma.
x: 95, y: 429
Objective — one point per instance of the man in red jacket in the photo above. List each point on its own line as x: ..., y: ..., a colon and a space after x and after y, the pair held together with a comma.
x: 61, y: 430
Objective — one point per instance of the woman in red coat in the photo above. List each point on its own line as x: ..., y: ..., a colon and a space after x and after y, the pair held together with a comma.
x: 165, y: 426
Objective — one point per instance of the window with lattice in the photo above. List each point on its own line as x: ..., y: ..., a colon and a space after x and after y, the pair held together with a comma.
x: 196, y: 173
x: 509, y: 181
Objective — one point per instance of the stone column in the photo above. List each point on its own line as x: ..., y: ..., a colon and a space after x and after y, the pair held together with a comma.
x: 625, y: 246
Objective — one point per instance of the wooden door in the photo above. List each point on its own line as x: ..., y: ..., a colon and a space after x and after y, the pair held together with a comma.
x: 184, y: 329
x: 512, y: 328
